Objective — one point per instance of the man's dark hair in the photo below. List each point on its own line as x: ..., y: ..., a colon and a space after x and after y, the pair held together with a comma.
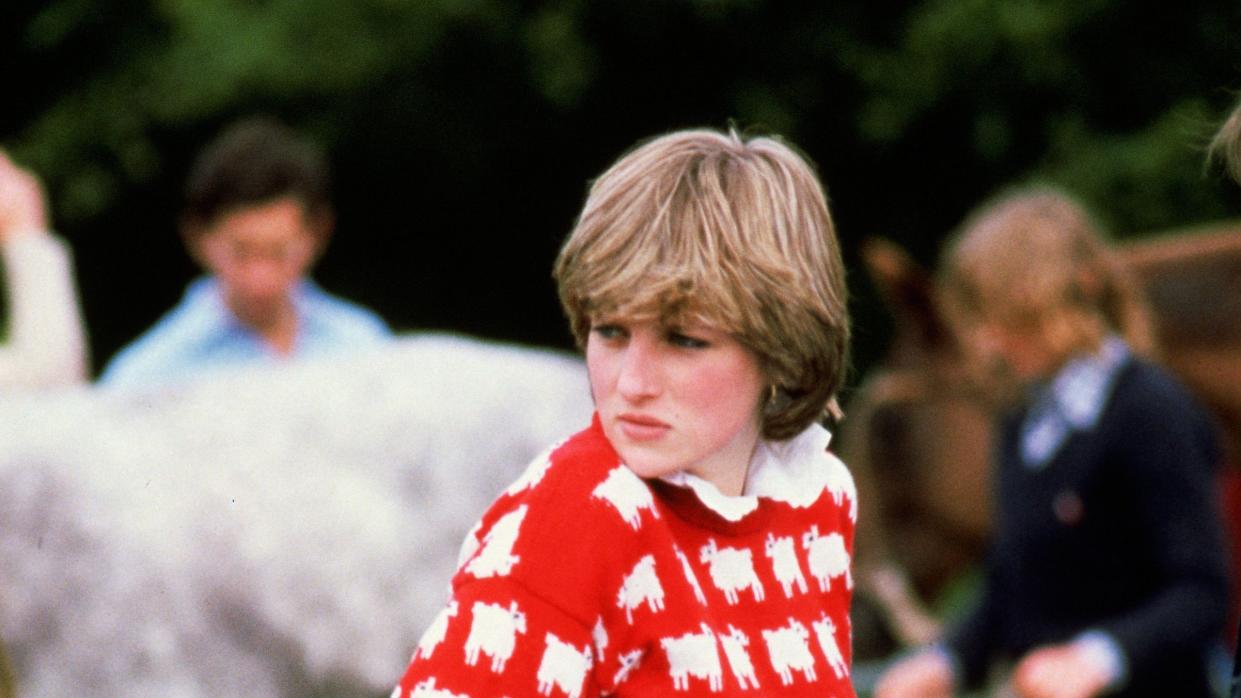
x: 254, y: 161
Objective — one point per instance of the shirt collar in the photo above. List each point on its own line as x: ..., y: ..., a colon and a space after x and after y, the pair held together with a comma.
x: 207, y: 295
x: 795, y: 471
x: 1081, y: 388
x: 1072, y: 401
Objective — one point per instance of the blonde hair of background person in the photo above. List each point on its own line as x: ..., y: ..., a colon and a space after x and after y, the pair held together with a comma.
x: 1033, y: 285
x: 704, y: 282
x: 45, y: 344
x: 1225, y: 147
x: 753, y: 252
x: 1032, y: 259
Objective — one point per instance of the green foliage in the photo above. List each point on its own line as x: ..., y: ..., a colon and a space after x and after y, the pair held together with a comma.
x: 186, y: 61
x: 477, y: 122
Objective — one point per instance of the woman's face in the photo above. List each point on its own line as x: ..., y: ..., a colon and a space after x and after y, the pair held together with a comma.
x: 1023, y: 349
x: 676, y: 398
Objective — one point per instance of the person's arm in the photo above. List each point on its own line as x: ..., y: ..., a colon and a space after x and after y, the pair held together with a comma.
x: 1169, y: 455
x: 496, y: 639
x: 45, y: 345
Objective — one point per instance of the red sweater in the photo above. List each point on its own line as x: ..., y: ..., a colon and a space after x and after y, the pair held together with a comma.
x: 585, y: 580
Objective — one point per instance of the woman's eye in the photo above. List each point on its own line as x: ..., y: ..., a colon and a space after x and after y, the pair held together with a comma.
x: 608, y: 331
x: 685, y: 341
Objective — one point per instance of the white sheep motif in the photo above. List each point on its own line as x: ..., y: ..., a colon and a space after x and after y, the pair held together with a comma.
x: 784, y: 564
x: 563, y: 666
x: 825, y: 631
x: 628, y: 662
x: 496, y: 557
x: 840, y: 484
x: 434, y: 634
x: 641, y: 586
x: 493, y: 632
x: 732, y: 569
x: 694, y: 654
x: 690, y: 576
x: 469, y: 545
x: 627, y: 494
x: 600, y: 635
x: 734, y: 644
x: 827, y: 557
x: 533, y: 474
x: 789, y: 651
x: 427, y: 689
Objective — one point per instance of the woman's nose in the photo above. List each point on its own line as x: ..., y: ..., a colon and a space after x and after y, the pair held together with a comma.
x: 639, y: 371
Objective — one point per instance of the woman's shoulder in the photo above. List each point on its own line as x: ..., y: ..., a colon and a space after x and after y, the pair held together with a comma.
x: 1145, y: 387
x: 1151, y: 411
x: 562, y: 527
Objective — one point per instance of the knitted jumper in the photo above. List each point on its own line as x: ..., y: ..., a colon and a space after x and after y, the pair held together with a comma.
x: 585, y: 580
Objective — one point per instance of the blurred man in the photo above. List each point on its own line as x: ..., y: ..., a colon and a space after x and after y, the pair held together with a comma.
x: 257, y: 217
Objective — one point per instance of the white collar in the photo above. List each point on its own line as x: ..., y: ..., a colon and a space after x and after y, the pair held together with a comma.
x: 1072, y: 401
x: 795, y: 471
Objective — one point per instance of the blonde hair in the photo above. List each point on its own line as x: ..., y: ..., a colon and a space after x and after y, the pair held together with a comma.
x: 731, y: 231
x: 1225, y: 147
x: 1034, y: 258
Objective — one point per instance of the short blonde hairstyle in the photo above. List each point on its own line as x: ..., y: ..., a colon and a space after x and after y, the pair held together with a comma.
x: 1034, y: 258
x: 729, y: 230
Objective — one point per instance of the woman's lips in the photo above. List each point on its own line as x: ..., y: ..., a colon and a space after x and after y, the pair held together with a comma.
x: 639, y: 427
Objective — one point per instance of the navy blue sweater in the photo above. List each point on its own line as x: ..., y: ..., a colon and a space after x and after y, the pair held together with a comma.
x: 1119, y: 532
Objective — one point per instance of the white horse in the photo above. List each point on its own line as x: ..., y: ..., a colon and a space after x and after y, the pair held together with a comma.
x: 267, y: 532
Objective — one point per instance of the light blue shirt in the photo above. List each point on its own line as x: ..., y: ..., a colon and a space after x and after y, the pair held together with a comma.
x: 201, y: 334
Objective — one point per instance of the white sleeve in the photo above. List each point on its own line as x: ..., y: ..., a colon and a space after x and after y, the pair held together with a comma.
x: 46, y: 344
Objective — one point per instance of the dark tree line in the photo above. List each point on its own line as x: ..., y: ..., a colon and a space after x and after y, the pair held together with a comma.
x: 463, y: 132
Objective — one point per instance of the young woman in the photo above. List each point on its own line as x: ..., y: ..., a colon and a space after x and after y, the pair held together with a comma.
x: 696, y: 537
x: 1106, y: 574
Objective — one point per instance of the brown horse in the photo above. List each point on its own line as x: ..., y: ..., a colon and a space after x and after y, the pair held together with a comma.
x: 918, y: 431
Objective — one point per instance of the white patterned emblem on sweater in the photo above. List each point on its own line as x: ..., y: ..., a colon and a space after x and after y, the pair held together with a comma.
x: 600, y: 636
x: 641, y: 586
x: 493, y: 632
x: 690, y: 576
x: 789, y: 651
x: 627, y: 494
x: 427, y: 689
x: 469, y: 546
x: 534, y: 472
x: 563, y: 666
x: 840, y: 484
x: 496, y: 557
x: 784, y: 564
x: 827, y: 557
x: 694, y: 654
x: 732, y: 569
x: 434, y: 634
x: 734, y: 644
x: 628, y: 662
x: 825, y: 631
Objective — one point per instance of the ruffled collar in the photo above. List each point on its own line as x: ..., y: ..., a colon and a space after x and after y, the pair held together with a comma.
x: 795, y: 471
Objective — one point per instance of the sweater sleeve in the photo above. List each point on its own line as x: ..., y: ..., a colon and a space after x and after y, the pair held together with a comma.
x: 46, y: 344
x: 1169, y: 454
x: 496, y: 638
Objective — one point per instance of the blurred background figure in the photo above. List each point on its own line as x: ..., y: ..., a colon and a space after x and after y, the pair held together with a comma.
x: 44, y: 344
x: 1107, y: 565
x: 257, y: 216
x: 1226, y: 149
